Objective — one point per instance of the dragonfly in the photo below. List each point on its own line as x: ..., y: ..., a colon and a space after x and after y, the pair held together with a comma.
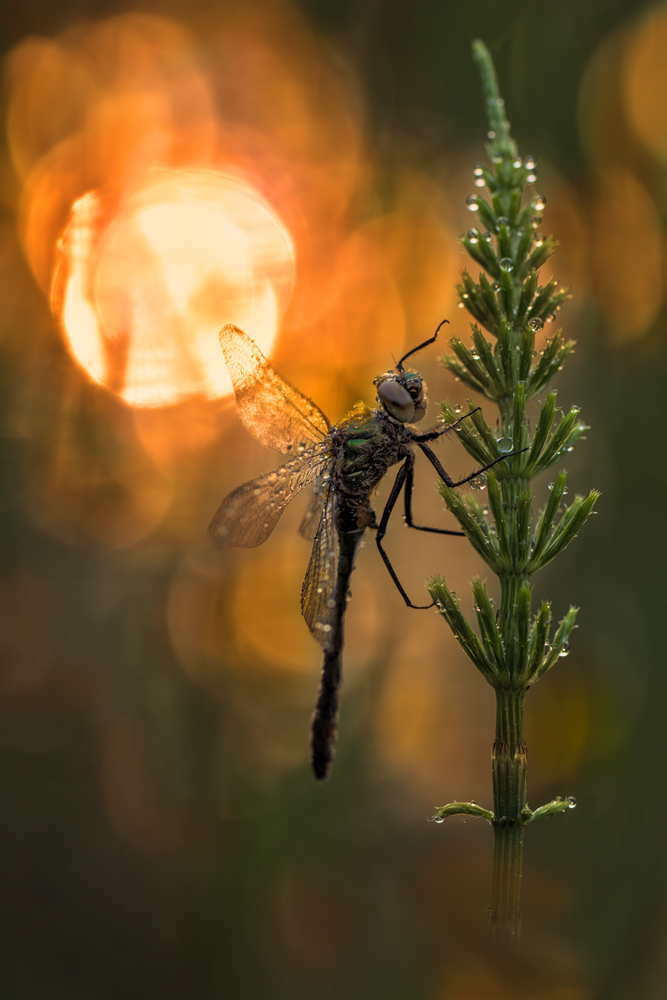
x: 343, y: 464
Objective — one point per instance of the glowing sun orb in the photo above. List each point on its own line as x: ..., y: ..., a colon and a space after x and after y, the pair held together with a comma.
x: 141, y: 298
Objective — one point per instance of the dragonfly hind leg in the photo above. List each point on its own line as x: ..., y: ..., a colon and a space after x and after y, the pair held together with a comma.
x: 404, y: 473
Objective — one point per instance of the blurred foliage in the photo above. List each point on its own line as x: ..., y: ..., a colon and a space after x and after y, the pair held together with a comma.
x: 161, y: 835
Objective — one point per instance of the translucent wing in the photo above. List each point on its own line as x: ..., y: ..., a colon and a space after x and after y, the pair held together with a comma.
x: 317, y: 593
x: 248, y: 515
x: 313, y: 513
x: 274, y: 411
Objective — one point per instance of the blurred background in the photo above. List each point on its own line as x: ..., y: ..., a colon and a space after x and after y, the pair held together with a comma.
x: 301, y: 170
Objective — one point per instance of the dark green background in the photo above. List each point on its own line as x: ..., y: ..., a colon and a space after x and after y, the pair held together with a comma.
x: 84, y: 915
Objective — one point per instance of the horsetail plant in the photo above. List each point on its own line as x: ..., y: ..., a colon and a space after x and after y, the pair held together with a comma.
x: 513, y: 648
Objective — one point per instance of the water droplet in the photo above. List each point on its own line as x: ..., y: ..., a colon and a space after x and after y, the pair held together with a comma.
x: 571, y: 802
x: 565, y: 490
x: 471, y: 202
x: 540, y: 202
x: 479, y: 182
x: 529, y: 163
x: 491, y: 134
x: 473, y: 235
x: 495, y: 286
x: 487, y: 237
x: 502, y: 221
x: 438, y: 819
x: 460, y: 305
x: 550, y: 486
x: 479, y: 483
x: 474, y: 355
x: 506, y: 263
x: 326, y: 628
x: 535, y: 324
x: 539, y: 240
x: 331, y: 603
x: 319, y: 590
x: 458, y: 408
x: 478, y: 169
x: 536, y: 221
x: 505, y: 445
x: 518, y: 162
x: 565, y: 650
x: 570, y: 448
x: 532, y: 177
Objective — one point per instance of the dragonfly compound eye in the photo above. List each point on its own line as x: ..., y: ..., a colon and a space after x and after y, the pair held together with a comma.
x: 396, y: 400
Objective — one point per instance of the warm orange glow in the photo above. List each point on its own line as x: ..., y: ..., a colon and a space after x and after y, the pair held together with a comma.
x: 169, y: 188
x: 629, y: 257
x: 141, y: 302
x: 644, y: 83
x: 621, y: 115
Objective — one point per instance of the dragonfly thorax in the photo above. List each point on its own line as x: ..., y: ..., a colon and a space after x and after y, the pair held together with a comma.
x: 403, y: 395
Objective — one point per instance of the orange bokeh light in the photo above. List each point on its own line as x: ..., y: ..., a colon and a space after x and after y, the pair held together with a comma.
x: 141, y: 299
x: 172, y: 184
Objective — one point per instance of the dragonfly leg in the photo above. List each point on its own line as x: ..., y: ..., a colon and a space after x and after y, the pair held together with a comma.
x: 409, y: 483
x: 399, y: 482
x: 437, y: 465
x: 433, y: 435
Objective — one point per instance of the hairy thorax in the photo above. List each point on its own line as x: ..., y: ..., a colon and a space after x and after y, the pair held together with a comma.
x: 365, y: 444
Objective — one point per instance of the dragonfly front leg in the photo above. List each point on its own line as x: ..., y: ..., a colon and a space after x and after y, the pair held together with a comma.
x: 433, y: 435
x: 403, y: 473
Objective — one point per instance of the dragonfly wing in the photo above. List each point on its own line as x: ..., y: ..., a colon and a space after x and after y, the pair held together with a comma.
x: 248, y: 515
x: 274, y: 412
x: 313, y: 513
x: 317, y: 594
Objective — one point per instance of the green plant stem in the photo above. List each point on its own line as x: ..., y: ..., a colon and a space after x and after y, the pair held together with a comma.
x: 509, y: 800
x: 511, y: 647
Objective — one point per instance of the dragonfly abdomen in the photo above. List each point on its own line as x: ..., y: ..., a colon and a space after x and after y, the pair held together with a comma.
x: 325, y: 718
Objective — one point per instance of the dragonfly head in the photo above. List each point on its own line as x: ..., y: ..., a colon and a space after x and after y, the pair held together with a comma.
x: 403, y: 395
